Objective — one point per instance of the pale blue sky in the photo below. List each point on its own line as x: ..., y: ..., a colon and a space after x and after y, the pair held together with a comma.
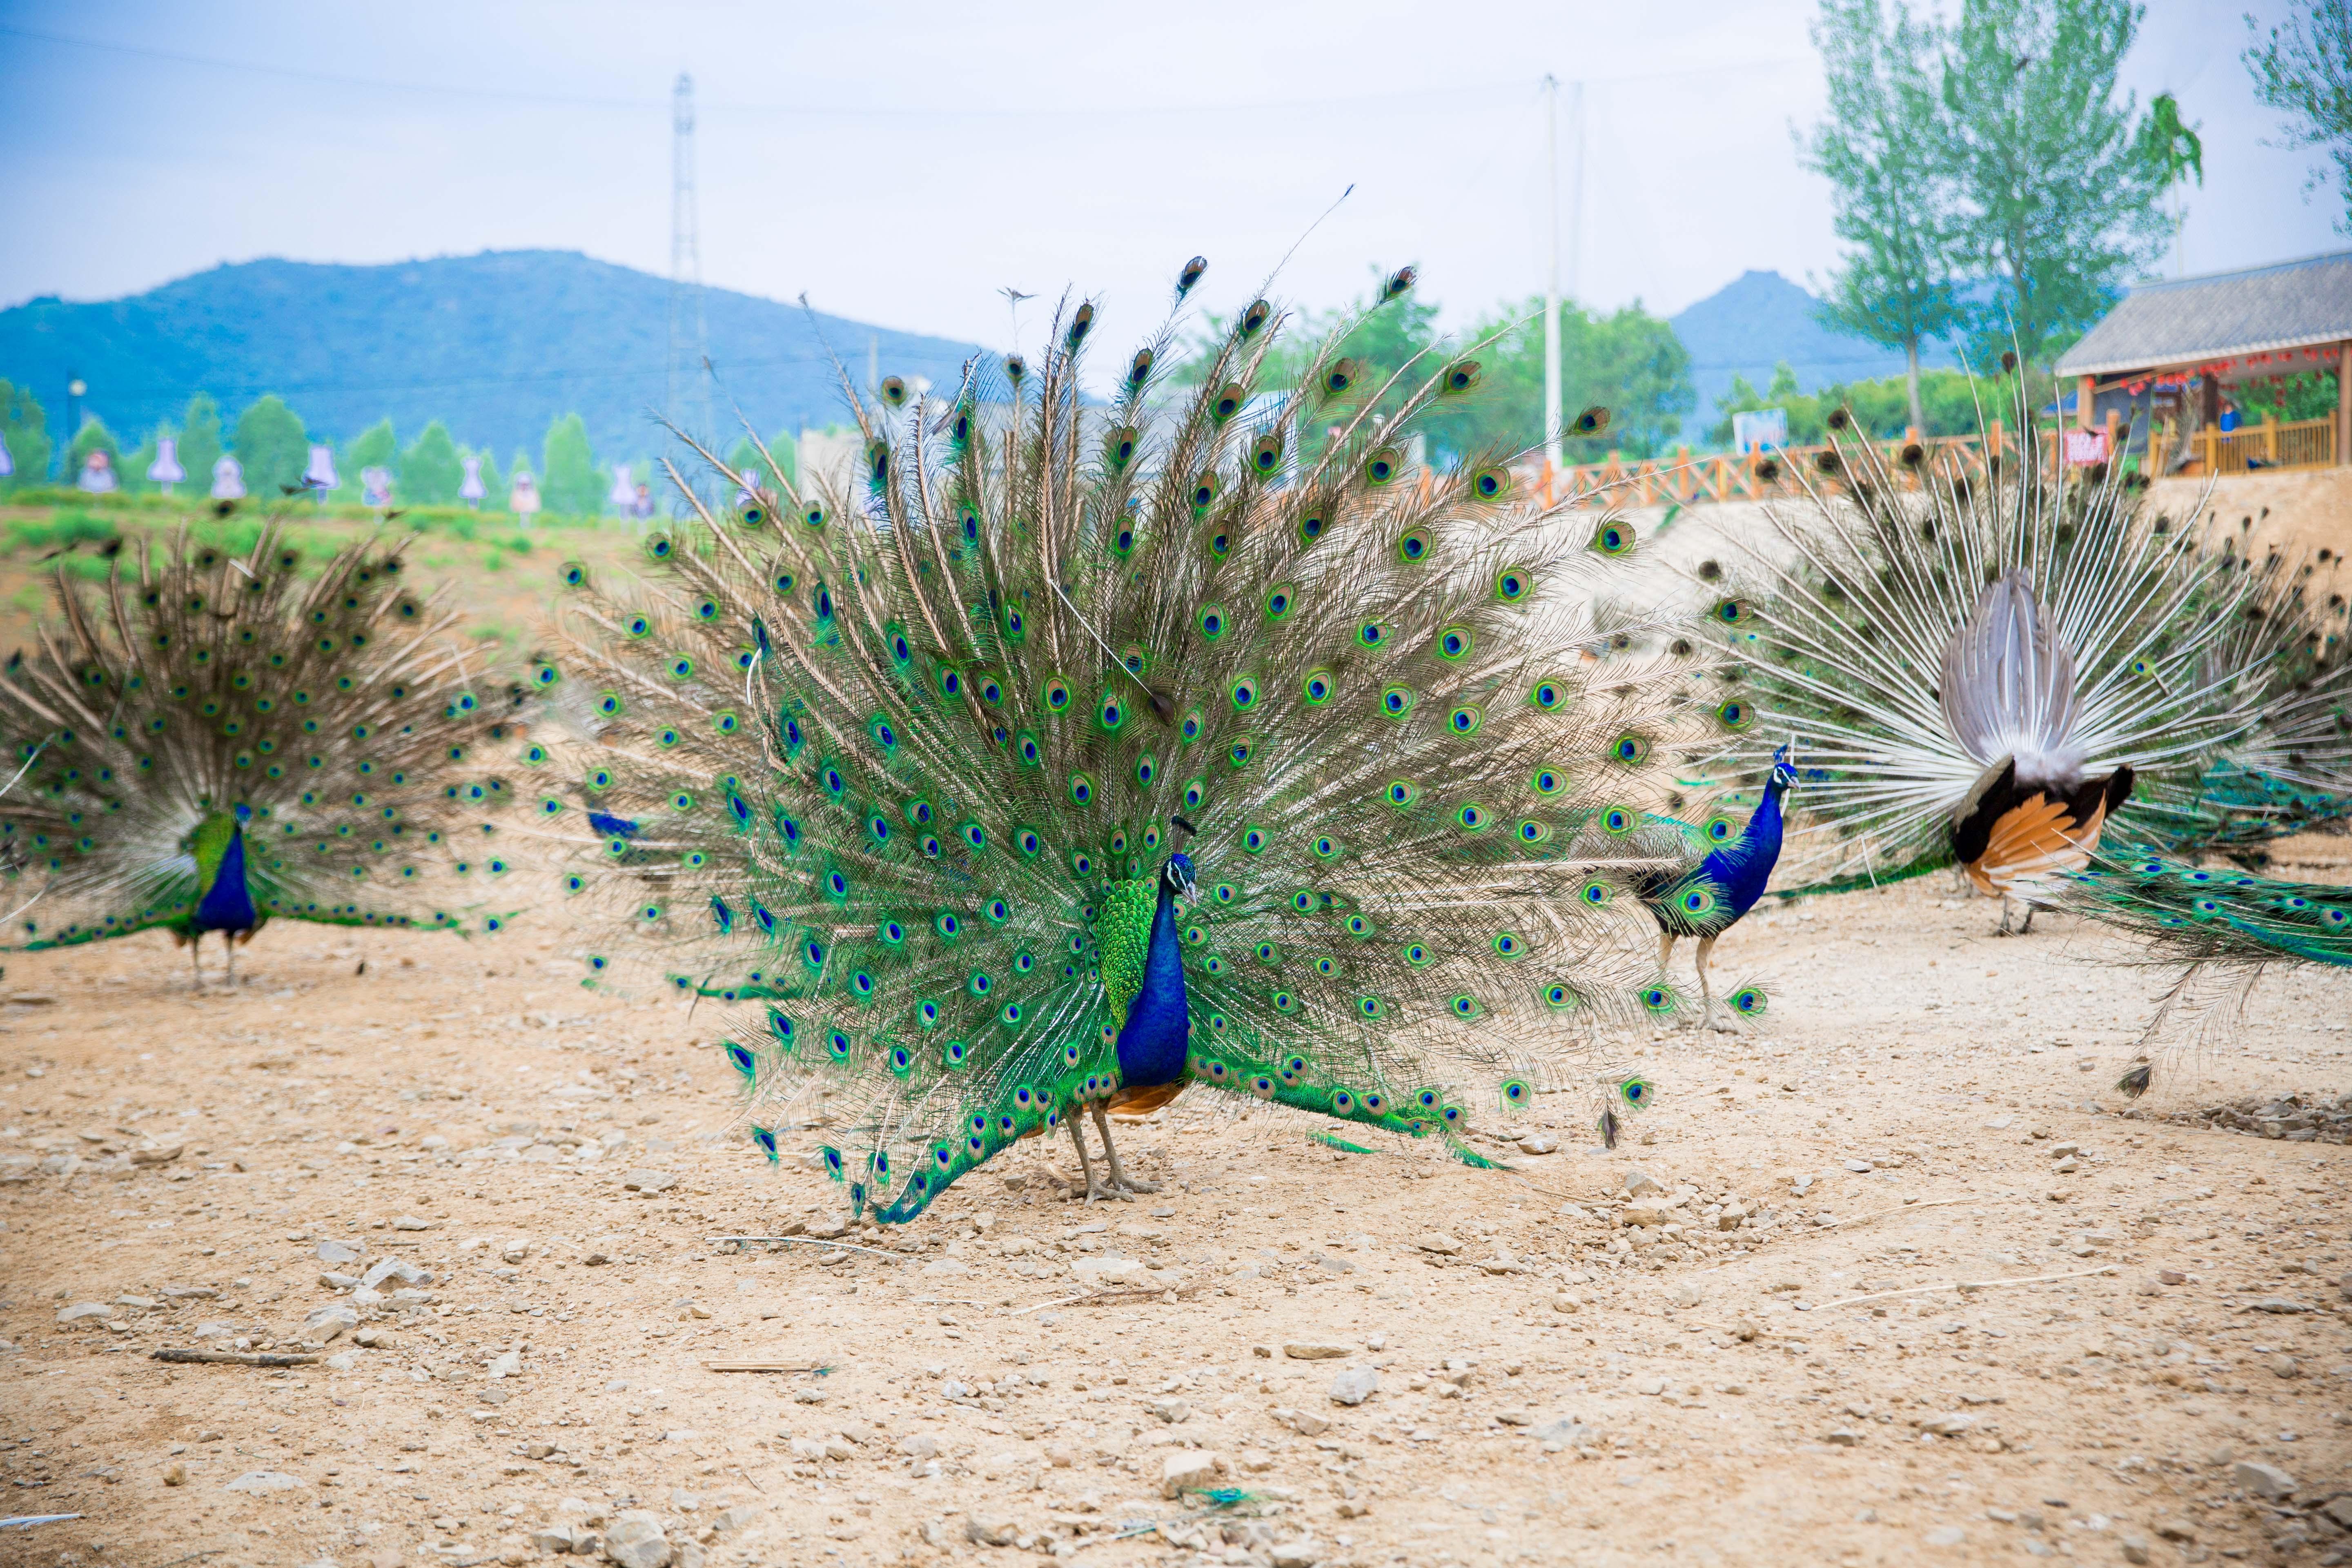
x: 900, y: 162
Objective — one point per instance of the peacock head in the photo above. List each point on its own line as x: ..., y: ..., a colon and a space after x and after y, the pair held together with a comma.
x: 244, y: 813
x: 1177, y: 875
x: 1784, y: 772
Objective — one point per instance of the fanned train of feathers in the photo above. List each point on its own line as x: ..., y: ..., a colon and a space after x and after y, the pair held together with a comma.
x: 335, y: 709
x: 2220, y: 680
x: 875, y: 759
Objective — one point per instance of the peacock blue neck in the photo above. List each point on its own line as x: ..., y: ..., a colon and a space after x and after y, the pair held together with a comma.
x: 228, y: 904
x: 1152, y: 1043
x: 1741, y: 868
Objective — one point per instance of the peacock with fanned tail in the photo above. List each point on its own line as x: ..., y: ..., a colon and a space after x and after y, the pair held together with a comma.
x: 210, y: 738
x: 2027, y: 677
x: 1068, y: 756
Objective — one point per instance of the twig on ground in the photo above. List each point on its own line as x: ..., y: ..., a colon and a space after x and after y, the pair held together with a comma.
x: 1906, y: 1208
x: 241, y: 1358
x: 26, y: 1521
x: 808, y: 1241
x: 764, y: 1366
x: 1958, y: 1285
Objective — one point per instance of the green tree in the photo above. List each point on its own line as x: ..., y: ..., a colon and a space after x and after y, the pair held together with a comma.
x: 431, y: 471
x: 200, y: 442
x: 2056, y: 178
x: 568, y: 480
x: 373, y: 448
x: 2305, y: 73
x: 24, y: 428
x: 93, y: 437
x: 272, y: 449
x: 745, y: 460
x: 1807, y: 418
x: 1627, y: 362
x: 1882, y: 149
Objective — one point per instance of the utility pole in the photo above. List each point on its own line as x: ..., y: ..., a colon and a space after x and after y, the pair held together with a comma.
x: 687, y: 399
x: 1552, y: 412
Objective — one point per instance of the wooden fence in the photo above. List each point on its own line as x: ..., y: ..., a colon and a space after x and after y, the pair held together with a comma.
x: 1684, y: 480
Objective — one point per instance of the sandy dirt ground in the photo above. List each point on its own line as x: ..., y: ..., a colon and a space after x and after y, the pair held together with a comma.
x: 2155, y: 1365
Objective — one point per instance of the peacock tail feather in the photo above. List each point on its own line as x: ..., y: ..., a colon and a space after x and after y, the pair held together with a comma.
x: 2203, y: 916
x: 207, y: 740
x: 891, y: 762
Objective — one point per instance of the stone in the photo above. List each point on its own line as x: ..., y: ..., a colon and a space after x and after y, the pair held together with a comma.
x: 1638, y: 1181
x: 1256, y: 1461
x: 1859, y: 1167
x: 1106, y: 1273
x: 1188, y: 1469
x: 2279, y: 1304
x: 920, y: 1446
x: 730, y: 1520
x: 645, y: 1183
x: 1537, y: 1143
x: 1683, y: 1293
x: 411, y: 1221
x: 264, y: 1481
x: 334, y: 1282
x: 175, y: 1474
x: 1843, y: 1438
x: 1316, y: 1350
x: 343, y: 1361
x: 1306, y: 1423
x: 2263, y: 1480
x: 1355, y: 1384
x: 84, y: 1312
x: 1172, y: 1411
x: 992, y: 1530
x: 2135, y: 1549
x: 1566, y: 1432
x: 636, y: 1540
x: 555, y: 1540
x: 1952, y: 1423
x: 335, y: 1254
x: 1303, y: 1552
x: 325, y: 1323
x: 2283, y: 1366
x: 1949, y: 1535
x: 2178, y: 1530
x: 1437, y: 1241
x: 2340, y: 1510
x: 1643, y: 1215
x: 508, y: 1364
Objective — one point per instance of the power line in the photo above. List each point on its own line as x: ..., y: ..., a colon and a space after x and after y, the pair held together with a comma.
x: 1485, y: 93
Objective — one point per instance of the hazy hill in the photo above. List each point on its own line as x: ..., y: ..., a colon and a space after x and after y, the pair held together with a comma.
x: 496, y: 346
x: 1760, y: 319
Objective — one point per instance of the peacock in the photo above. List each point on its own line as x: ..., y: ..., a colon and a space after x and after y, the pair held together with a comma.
x: 209, y: 738
x: 1069, y: 753
x: 1712, y: 876
x: 2003, y: 672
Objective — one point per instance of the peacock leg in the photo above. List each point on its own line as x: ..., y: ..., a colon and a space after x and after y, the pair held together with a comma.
x: 1706, y: 991
x: 197, y: 958
x: 228, y: 941
x: 1120, y: 1185
x: 2028, y: 925
x: 1085, y: 1166
x: 2002, y: 929
x: 1666, y: 948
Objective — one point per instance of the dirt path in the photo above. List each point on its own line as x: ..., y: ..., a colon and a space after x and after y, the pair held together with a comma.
x: 1546, y: 1392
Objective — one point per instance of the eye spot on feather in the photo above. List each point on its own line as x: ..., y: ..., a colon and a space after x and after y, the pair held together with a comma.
x: 1397, y: 702
x: 1463, y: 722
x: 1630, y: 749
x: 1212, y: 621
x: 1384, y: 466
x: 1279, y: 601
x: 1311, y: 528
x: 1318, y: 688
x: 1611, y: 538
x: 1254, y: 840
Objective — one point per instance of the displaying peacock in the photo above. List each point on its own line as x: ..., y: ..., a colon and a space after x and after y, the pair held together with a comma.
x: 2005, y: 671
x: 1711, y: 875
x: 210, y: 738
x: 1070, y: 754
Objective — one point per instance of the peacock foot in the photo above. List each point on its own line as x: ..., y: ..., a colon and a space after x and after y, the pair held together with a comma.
x: 1130, y: 1185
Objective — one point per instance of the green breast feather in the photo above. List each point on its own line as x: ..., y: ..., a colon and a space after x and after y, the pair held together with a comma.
x: 209, y: 844
x: 1125, y: 936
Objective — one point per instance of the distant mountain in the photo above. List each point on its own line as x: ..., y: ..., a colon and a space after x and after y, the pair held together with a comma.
x: 1753, y: 323
x: 495, y: 345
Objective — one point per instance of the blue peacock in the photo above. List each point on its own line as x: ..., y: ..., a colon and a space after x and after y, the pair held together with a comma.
x: 213, y: 739
x: 1067, y: 755
x: 1712, y: 876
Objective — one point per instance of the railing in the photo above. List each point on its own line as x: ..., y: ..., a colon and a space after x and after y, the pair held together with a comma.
x: 1684, y: 480
x: 2305, y: 443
